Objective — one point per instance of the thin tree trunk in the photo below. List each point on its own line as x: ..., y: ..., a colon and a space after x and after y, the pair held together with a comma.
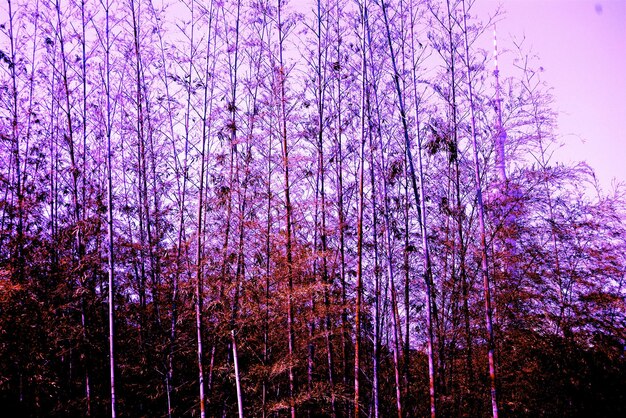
x: 15, y: 139
x: 107, y: 73
x: 268, y: 259
x: 288, y: 209
x: 182, y: 172
x: 267, y: 274
x: 392, y: 286
x: 407, y: 278
x: 199, y: 289
x: 483, y: 239
x: 454, y: 157
x: 341, y: 213
x: 237, y: 379
x: 314, y: 279
x: 233, y: 67
x: 83, y: 309
x: 69, y: 137
x: 141, y: 184
x: 360, y: 210
x: 326, y: 283
x: 421, y: 212
x: 199, y: 285
x: 376, y: 336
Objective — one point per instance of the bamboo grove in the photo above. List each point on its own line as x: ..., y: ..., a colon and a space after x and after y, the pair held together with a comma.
x: 273, y: 208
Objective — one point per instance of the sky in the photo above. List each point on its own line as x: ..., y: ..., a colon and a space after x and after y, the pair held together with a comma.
x: 581, y: 45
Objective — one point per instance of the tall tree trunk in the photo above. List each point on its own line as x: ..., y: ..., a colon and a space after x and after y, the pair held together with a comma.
x: 268, y: 249
x: 360, y: 208
x: 288, y: 210
x: 237, y: 379
x: 83, y: 310
x: 377, y: 268
x: 483, y: 238
x: 391, y: 282
x: 140, y: 190
x: 268, y: 253
x: 341, y: 212
x: 109, y: 114
x: 454, y: 158
x: 239, y: 272
x: 407, y: 278
x: 421, y: 213
x: 199, y: 267
x: 15, y: 142
x: 69, y: 135
x: 326, y: 283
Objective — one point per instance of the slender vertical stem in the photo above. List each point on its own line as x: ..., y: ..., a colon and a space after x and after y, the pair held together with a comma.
x: 16, y: 151
x: 341, y: 213
x: 322, y: 190
x: 107, y: 71
x: 377, y: 269
x: 288, y: 209
x: 199, y: 230
x: 376, y: 336
x: 268, y: 256
x: 361, y: 204
x: 483, y: 239
x: 84, y: 201
x: 237, y: 379
x: 421, y: 209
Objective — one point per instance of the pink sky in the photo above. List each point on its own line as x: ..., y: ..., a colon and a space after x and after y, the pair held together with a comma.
x: 582, y: 47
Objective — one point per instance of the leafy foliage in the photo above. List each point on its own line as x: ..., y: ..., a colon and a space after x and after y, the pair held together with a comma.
x: 200, y: 94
